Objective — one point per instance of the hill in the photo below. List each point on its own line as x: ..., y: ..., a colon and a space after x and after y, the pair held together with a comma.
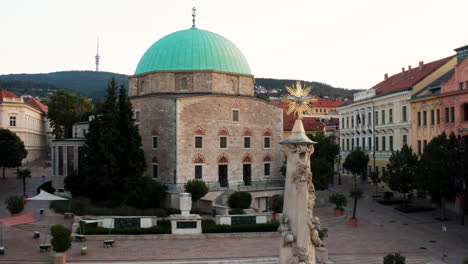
x: 88, y: 83
x: 93, y: 84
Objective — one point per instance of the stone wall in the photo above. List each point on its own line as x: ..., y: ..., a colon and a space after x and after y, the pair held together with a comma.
x: 195, y: 82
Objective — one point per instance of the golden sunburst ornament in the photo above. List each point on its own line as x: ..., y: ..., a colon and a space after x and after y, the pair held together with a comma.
x: 299, y: 99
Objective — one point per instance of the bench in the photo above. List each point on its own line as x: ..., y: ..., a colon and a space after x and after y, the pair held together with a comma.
x: 108, y: 243
x: 45, y: 247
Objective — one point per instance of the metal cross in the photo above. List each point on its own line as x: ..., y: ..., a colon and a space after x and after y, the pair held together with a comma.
x: 193, y: 15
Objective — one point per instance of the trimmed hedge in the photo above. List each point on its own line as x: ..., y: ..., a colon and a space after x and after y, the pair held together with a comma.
x: 82, y: 206
x: 240, y: 200
x: 210, y: 226
x: 163, y: 227
x: 61, y: 238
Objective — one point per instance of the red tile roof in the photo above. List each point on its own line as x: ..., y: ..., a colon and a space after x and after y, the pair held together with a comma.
x: 6, y: 94
x: 408, y: 78
x: 36, y: 103
x: 310, y: 123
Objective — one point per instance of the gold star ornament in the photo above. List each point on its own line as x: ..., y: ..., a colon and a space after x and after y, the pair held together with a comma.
x: 299, y: 100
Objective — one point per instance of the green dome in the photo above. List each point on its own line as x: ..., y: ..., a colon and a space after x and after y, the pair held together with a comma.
x: 193, y: 49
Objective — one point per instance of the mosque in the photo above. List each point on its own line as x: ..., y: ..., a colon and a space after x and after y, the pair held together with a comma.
x: 193, y: 97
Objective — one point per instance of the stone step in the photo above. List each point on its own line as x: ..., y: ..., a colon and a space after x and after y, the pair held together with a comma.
x: 264, y: 260
x: 347, y: 259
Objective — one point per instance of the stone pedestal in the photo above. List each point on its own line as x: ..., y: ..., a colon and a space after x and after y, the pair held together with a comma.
x: 185, y: 223
x: 298, y: 227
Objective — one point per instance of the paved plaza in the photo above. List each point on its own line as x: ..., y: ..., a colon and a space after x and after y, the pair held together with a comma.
x: 381, y: 230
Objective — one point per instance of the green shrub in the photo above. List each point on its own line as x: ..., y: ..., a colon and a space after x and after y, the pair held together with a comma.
x: 355, y: 193
x: 208, y: 226
x: 197, y: 188
x: 46, y: 186
x: 15, y: 204
x: 240, y: 200
x: 276, y: 203
x: 339, y: 200
x: 394, y: 259
x: 236, y: 211
x: 61, y: 238
x: 465, y: 261
x: 80, y: 205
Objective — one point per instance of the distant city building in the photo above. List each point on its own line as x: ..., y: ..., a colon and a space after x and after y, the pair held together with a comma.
x: 28, y: 120
x: 193, y: 97
x: 378, y: 120
x: 67, y: 155
x: 442, y: 105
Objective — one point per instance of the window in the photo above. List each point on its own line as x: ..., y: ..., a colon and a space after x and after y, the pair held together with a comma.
x: 438, y: 116
x: 235, y: 115
x: 462, y: 86
x: 155, y: 142
x: 369, y: 118
x: 363, y: 119
x: 452, y: 114
x: 384, y: 147
x: 198, y: 171
x: 432, y: 117
x: 60, y: 161
x: 347, y: 144
x: 424, y: 118
x: 223, y: 142
x: 357, y: 143
x: 137, y: 116
x: 342, y: 123
x: 266, y: 168
x: 247, y: 142
x: 267, y: 142
x: 370, y: 143
x: 383, y: 116
x: 198, y: 142
x: 376, y: 145
x: 12, y: 121
x: 424, y: 144
x: 405, y: 140
x: 342, y: 144
x: 347, y: 122
x: 184, y: 83
x: 403, y: 113
x: 377, y: 170
x: 390, y: 138
x: 352, y: 143
x: 465, y: 112
x: 384, y: 171
x: 352, y: 121
x: 419, y: 118
x: 363, y: 143
x: 447, y: 115
x: 419, y: 146
x: 390, y: 115
x: 155, y: 170
x: 70, y: 160
x: 376, y: 118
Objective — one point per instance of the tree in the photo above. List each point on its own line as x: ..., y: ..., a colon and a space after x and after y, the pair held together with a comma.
x: 22, y: 174
x: 394, y: 259
x: 65, y: 109
x: 356, y: 162
x: 12, y: 150
x: 437, y: 169
x: 401, y: 171
x: 61, y: 238
x: 240, y: 200
x: 15, y: 204
x: 197, y: 188
x: 276, y: 203
x: 113, y: 163
x: 374, y: 176
x: 356, y: 194
x: 323, y: 158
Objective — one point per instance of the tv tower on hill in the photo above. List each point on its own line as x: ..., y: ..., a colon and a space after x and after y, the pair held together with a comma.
x: 97, y: 56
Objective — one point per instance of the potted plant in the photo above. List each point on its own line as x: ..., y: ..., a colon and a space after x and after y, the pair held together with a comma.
x: 356, y: 194
x: 15, y: 204
x: 61, y: 239
x: 276, y: 205
x: 340, y: 202
x: 394, y: 259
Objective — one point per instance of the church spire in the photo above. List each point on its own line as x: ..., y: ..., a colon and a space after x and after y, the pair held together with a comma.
x: 193, y: 17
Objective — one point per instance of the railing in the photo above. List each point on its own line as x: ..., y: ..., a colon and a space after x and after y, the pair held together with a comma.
x: 234, y: 186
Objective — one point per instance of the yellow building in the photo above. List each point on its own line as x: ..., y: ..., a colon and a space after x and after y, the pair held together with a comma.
x: 28, y: 120
x: 378, y: 120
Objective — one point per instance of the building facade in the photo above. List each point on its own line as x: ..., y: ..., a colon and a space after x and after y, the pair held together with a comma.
x: 442, y: 106
x: 193, y: 97
x: 379, y: 120
x: 28, y: 120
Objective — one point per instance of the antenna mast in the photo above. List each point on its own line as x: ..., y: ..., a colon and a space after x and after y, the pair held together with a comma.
x: 97, y: 56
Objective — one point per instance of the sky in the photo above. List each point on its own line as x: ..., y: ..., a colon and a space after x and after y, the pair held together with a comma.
x: 344, y: 43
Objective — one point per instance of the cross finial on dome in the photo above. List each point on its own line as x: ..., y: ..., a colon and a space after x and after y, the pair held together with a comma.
x: 193, y: 15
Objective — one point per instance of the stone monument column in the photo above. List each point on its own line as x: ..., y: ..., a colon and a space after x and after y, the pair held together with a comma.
x: 298, y: 227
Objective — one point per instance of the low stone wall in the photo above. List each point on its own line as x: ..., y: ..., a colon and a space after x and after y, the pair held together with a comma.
x: 181, y: 237
x: 108, y: 221
x: 227, y: 219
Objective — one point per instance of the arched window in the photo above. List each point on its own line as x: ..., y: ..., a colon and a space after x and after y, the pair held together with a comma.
x: 141, y: 87
x: 184, y: 83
